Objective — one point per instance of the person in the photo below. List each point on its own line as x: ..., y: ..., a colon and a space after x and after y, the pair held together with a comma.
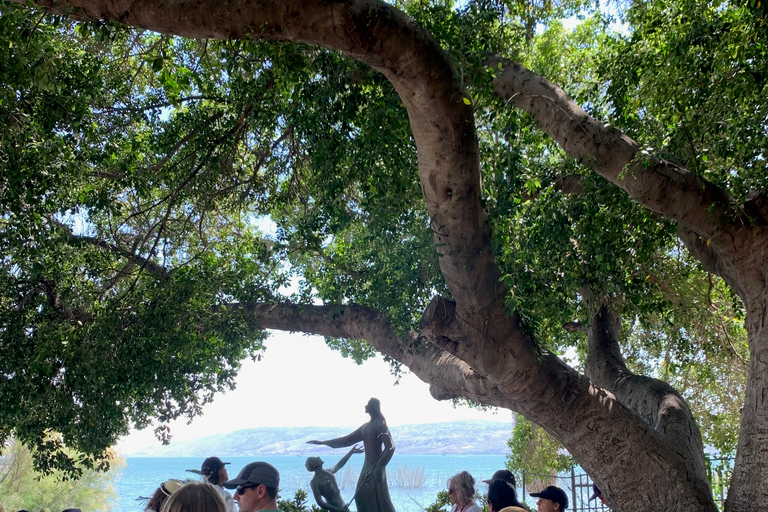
x: 372, y: 492
x: 323, y: 483
x: 551, y: 499
x: 195, y: 497
x: 503, y: 474
x: 461, y: 490
x: 162, y: 493
x: 508, y: 477
x: 502, y: 497
x: 215, y: 473
x: 597, y: 493
x: 256, y: 487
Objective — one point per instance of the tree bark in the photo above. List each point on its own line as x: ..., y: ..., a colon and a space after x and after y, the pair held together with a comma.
x: 655, y: 401
x: 748, y: 488
x: 729, y: 239
x: 615, y: 449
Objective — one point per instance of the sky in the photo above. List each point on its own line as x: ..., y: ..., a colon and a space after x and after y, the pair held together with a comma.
x: 300, y: 382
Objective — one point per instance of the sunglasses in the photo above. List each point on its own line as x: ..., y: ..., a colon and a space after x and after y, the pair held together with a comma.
x: 242, y: 488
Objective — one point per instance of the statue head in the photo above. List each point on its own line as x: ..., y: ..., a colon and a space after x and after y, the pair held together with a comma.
x: 373, y: 406
x: 313, y: 463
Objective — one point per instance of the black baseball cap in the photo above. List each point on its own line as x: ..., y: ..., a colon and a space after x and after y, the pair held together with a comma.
x: 256, y: 473
x: 212, y: 464
x: 503, y: 474
x: 555, y: 494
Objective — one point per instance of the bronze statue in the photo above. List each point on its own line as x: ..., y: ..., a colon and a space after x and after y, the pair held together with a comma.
x: 323, y: 483
x: 372, y: 493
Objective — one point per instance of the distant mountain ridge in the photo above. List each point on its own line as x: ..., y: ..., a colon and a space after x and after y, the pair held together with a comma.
x: 459, y: 437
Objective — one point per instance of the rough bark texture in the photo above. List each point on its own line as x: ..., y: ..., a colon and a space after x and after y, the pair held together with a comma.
x: 658, y: 403
x: 729, y: 239
x: 472, y: 346
x: 750, y: 473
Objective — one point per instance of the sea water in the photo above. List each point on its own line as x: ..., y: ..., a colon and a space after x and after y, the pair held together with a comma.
x: 414, y: 480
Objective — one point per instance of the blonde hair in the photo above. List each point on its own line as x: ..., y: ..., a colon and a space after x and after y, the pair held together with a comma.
x: 463, y: 486
x: 195, y: 497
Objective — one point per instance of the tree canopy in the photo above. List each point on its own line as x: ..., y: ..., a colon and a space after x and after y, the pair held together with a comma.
x: 167, y: 173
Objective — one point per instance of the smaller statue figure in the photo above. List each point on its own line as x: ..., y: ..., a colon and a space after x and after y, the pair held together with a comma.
x: 324, y: 485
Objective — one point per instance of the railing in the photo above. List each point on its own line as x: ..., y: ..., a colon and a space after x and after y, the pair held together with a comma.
x: 578, y: 486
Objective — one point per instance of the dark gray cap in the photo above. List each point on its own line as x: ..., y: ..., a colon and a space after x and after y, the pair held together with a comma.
x: 503, y: 474
x: 212, y: 464
x: 256, y: 473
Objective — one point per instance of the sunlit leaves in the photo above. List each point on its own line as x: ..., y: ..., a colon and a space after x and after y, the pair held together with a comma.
x: 691, y: 83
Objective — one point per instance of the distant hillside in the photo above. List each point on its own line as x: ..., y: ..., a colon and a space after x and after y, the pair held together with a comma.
x: 465, y: 437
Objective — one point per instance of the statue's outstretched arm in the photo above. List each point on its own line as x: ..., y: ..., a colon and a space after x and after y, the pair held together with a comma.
x: 347, y: 440
x: 344, y: 459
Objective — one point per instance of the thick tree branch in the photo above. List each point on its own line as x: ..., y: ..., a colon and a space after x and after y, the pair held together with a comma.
x: 448, y: 376
x: 707, y: 255
x: 658, y: 403
x: 423, y: 75
x: 568, y: 184
x: 662, y: 187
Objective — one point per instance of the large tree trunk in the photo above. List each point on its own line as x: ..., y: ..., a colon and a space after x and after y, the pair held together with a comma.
x: 484, y: 353
x: 659, y: 404
x: 748, y: 489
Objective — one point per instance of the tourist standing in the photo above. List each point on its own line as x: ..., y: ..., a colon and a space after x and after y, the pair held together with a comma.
x: 597, y: 493
x: 162, y: 493
x: 195, y: 497
x: 256, y: 487
x: 502, y: 497
x: 461, y: 489
x: 551, y: 499
x: 215, y: 473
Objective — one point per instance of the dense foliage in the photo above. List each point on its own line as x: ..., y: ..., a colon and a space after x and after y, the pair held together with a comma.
x: 23, y: 488
x: 150, y: 181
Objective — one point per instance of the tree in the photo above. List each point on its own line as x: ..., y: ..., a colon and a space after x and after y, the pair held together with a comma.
x: 635, y: 435
x: 23, y: 488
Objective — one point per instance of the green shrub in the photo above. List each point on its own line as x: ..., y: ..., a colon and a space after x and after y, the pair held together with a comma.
x: 21, y: 487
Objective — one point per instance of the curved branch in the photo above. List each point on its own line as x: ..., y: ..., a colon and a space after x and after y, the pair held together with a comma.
x: 662, y: 187
x: 133, y: 258
x: 420, y: 70
x: 448, y: 376
x: 659, y: 404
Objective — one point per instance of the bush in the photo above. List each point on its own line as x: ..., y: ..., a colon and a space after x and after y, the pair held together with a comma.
x: 298, y: 503
x: 21, y: 487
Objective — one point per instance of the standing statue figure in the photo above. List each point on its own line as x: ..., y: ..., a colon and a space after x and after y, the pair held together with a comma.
x: 323, y: 483
x: 372, y: 494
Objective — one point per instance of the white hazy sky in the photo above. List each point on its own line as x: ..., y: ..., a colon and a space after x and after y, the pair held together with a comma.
x: 302, y: 382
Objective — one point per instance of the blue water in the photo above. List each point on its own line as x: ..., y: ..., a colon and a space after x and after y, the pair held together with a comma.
x: 141, y: 476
